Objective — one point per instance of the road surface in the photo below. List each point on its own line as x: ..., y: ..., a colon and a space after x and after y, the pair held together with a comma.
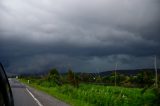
x: 27, y: 96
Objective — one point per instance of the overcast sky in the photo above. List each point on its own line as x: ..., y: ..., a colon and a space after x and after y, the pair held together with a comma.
x: 87, y: 35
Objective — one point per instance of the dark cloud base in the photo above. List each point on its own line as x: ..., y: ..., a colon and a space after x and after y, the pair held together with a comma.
x: 36, y: 36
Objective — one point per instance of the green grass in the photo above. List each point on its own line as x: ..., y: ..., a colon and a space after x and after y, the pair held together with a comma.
x: 95, y: 95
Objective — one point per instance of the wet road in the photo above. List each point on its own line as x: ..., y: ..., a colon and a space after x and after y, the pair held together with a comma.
x: 26, y: 96
x: 21, y: 95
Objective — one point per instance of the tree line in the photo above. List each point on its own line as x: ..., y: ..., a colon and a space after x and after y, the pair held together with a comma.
x: 141, y: 79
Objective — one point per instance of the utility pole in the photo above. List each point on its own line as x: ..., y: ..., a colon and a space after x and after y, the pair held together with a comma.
x: 115, y: 75
x: 155, y: 65
x: 69, y: 65
x: 98, y: 73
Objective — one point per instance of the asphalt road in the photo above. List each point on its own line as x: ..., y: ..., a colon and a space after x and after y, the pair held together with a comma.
x: 27, y: 96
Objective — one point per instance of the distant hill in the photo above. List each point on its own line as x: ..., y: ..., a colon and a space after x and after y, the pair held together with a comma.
x: 104, y: 73
x: 10, y: 74
x: 128, y: 72
x: 125, y: 72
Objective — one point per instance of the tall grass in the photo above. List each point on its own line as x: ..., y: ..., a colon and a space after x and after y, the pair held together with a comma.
x: 97, y: 95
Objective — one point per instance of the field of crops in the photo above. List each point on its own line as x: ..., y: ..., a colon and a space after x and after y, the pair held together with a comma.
x: 97, y: 95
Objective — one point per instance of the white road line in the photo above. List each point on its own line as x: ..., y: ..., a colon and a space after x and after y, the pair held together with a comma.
x: 37, y: 101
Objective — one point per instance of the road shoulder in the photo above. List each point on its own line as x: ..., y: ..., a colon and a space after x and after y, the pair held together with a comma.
x: 46, y: 99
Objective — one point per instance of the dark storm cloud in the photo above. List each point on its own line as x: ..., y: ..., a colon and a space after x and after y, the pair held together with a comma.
x: 36, y: 35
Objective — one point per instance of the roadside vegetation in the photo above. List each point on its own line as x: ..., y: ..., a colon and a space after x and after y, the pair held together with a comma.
x: 85, y: 90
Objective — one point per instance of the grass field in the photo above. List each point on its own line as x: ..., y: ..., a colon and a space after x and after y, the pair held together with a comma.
x: 96, y: 95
